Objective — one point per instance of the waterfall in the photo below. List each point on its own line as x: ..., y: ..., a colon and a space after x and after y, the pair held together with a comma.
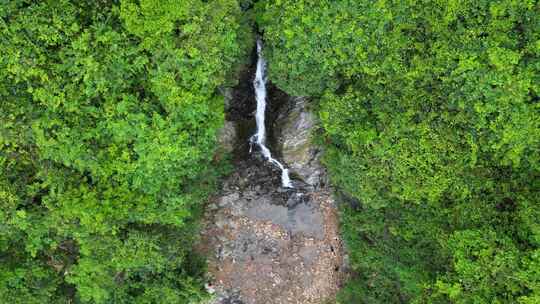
x: 259, y: 138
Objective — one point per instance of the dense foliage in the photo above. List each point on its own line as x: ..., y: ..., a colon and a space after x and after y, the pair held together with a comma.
x: 431, y: 118
x: 108, y: 118
x: 109, y: 113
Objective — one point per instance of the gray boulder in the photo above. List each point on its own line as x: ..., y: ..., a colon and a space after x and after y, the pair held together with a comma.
x: 228, y: 136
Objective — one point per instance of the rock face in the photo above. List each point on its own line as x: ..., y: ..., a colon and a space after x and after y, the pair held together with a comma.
x: 294, y: 131
x: 228, y: 136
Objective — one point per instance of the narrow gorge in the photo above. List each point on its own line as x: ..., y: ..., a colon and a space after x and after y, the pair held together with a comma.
x: 271, y: 239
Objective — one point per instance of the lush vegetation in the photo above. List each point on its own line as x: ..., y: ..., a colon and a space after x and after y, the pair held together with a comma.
x: 109, y: 113
x: 431, y: 117
x: 107, y: 131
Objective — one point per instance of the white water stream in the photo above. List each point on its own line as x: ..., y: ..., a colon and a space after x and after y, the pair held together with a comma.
x: 259, y: 83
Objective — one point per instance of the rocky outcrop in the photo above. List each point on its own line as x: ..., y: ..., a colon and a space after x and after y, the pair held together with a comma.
x: 228, y: 136
x: 294, y: 129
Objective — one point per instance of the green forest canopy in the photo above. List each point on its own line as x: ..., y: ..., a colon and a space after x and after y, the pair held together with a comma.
x: 109, y: 112
x: 431, y: 117
x: 107, y: 128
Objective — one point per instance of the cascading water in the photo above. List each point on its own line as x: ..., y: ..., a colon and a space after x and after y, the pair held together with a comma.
x: 259, y: 138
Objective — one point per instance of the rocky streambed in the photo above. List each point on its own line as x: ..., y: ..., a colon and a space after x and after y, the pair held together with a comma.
x: 264, y: 243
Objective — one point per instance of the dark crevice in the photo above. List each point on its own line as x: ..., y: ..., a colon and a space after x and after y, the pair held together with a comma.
x: 243, y: 105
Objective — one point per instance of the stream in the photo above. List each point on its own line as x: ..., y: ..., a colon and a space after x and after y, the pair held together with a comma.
x: 259, y: 83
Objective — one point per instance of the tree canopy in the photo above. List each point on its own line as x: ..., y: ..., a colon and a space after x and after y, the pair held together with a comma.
x: 431, y: 117
x: 430, y: 124
x: 108, y: 122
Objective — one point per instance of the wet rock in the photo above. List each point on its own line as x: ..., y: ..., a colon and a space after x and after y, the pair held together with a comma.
x: 266, y: 211
x: 295, y: 126
x: 307, y: 220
